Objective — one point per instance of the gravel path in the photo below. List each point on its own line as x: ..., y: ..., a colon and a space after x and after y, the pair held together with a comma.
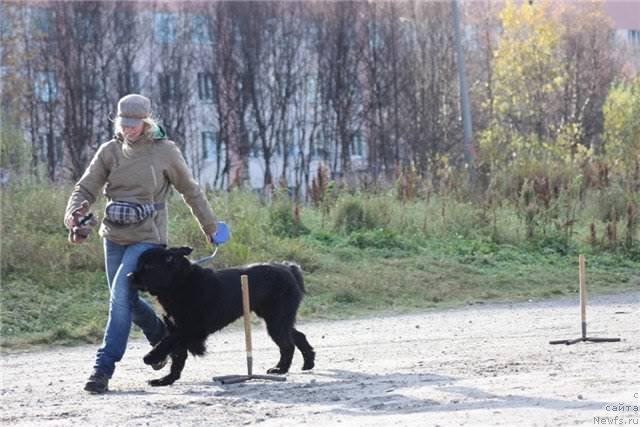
x: 481, y: 365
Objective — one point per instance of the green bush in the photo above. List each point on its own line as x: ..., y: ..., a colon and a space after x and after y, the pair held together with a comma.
x: 284, y: 221
x: 611, y: 203
x: 380, y: 238
x: 360, y: 213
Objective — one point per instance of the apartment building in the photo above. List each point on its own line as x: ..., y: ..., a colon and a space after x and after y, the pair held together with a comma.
x: 625, y: 16
x: 171, y: 52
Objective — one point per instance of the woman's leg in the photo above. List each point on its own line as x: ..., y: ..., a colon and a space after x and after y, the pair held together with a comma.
x: 124, y: 302
x: 106, y: 356
x: 143, y: 315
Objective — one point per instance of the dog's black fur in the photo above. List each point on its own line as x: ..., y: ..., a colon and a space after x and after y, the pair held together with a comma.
x: 200, y: 301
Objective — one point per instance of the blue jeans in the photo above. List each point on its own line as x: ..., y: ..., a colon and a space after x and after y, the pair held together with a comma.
x: 125, y: 306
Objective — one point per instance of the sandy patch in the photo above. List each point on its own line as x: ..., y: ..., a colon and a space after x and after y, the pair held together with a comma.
x: 482, y: 365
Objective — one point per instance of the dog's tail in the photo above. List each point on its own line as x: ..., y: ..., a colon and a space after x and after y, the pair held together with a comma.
x: 297, y: 273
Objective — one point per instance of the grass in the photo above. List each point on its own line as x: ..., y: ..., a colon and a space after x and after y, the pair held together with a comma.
x: 370, y: 255
x: 352, y: 283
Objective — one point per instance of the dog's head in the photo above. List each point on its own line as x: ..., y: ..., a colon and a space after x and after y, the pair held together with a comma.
x: 159, y: 268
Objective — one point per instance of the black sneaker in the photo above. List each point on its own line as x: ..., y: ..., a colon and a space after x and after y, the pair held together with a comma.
x: 159, y: 365
x: 97, y: 384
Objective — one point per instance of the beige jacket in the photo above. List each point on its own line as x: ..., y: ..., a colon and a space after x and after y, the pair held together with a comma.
x: 141, y: 172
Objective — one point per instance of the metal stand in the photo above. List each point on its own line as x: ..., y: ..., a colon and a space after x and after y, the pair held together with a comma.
x: 233, y: 379
x: 583, y: 313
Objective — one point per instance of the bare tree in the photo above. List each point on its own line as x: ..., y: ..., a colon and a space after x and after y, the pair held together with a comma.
x: 482, y: 20
x: 172, y: 62
x: 306, y: 99
x: 14, y: 153
x: 77, y: 46
x: 229, y: 93
x: 44, y: 101
x: 432, y: 112
x: 269, y: 51
x: 591, y: 63
x: 389, y: 58
x: 340, y: 55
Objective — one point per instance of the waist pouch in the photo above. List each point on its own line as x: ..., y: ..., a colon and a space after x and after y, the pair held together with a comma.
x: 124, y: 213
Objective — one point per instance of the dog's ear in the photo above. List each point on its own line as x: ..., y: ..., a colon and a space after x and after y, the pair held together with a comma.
x: 173, y: 252
x: 184, y: 251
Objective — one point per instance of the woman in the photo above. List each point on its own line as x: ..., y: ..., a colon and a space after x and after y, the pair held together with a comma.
x: 135, y: 171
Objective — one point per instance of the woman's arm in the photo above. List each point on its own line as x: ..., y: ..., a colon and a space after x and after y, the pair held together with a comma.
x: 88, y: 187
x: 180, y: 176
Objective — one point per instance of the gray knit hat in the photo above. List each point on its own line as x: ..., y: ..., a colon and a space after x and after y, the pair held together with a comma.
x: 132, y: 109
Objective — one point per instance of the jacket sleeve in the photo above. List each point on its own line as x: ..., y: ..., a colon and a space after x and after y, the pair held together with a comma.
x: 180, y: 176
x: 90, y: 184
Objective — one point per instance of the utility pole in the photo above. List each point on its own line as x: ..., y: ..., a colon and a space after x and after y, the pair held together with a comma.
x: 469, y: 156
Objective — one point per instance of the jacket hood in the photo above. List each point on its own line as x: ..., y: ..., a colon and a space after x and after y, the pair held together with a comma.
x: 158, y: 133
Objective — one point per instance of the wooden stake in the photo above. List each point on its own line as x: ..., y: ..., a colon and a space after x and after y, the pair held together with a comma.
x: 583, y: 295
x: 246, y: 308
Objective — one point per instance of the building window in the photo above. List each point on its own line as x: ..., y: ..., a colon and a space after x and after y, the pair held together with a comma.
x: 634, y: 37
x: 211, y: 149
x: 45, y: 86
x: 165, y: 27
x: 48, y: 141
x: 201, y: 29
x: 206, y: 86
x: 357, y: 145
x: 128, y: 83
x: 318, y: 151
x: 6, y: 29
x: 168, y: 87
x: 85, y: 25
x: 408, y: 31
x: 376, y: 35
x: 208, y: 145
x: 255, y: 147
x: 124, y: 19
x: 42, y: 20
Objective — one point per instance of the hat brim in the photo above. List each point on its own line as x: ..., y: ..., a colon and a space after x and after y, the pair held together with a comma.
x: 130, y: 122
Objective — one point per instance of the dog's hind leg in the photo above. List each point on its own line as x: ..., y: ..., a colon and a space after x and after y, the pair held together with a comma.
x: 280, y: 333
x: 300, y: 340
x: 178, y: 359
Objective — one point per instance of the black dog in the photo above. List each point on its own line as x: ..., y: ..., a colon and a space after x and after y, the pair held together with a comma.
x: 199, y: 302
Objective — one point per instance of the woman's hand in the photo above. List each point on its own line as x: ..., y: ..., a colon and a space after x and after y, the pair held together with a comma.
x: 80, y: 223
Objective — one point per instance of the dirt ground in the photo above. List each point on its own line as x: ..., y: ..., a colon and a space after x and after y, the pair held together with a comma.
x: 481, y: 365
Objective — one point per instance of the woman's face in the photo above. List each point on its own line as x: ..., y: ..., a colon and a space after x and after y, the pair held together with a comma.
x: 132, y: 132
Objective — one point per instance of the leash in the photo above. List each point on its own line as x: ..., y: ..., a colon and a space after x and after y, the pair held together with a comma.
x: 207, y: 258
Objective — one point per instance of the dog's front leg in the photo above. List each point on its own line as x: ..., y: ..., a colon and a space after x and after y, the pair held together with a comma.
x: 178, y: 358
x: 161, y: 350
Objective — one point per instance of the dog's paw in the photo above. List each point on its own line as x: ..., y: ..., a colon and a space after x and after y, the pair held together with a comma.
x: 277, y: 370
x: 309, y: 361
x: 161, y: 382
x: 152, y: 359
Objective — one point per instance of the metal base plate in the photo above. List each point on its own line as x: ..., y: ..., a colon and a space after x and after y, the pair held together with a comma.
x: 234, y: 379
x: 591, y: 339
